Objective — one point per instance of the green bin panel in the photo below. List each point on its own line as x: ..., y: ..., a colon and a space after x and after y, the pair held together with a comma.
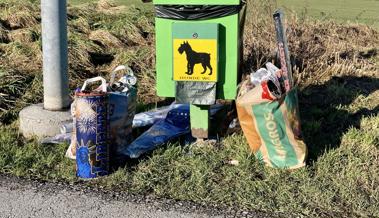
x: 229, y: 55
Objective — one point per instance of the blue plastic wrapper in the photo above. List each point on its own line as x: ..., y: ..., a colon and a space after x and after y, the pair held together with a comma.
x: 176, y: 124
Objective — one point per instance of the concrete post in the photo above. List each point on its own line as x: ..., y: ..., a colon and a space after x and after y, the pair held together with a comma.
x: 55, y: 61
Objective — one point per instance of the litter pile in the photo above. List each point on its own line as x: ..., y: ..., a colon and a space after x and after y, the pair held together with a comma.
x: 267, y: 107
x: 104, y: 116
x: 102, y: 122
x: 101, y: 136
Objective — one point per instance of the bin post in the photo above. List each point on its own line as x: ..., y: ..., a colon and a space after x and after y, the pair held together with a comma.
x: 200, y: 121
x: 55, y: 61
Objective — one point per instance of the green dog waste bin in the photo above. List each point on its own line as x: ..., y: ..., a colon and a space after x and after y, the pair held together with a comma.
x: 198, y: 53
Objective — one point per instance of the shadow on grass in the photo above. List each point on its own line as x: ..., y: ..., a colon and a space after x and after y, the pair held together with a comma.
x: 325, y: 112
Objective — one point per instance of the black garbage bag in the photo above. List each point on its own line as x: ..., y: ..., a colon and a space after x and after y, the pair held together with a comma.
x: 196, y: 12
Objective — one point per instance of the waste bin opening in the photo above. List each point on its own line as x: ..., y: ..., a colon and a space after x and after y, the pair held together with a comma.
x: 196, y: 12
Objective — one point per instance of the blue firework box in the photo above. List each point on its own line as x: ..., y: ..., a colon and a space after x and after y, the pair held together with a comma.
x: 92, y: 132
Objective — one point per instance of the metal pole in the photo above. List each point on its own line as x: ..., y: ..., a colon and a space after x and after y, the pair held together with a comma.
x: 55, y: 61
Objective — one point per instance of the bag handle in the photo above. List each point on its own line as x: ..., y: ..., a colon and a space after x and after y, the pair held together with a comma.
x: 93, y: 80
x: 129, y: 72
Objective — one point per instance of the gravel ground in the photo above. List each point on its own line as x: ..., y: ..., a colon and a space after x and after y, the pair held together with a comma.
x: 28, y: 198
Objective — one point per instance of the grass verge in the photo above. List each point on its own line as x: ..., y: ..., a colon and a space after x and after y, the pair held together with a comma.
x: 341, y: 179
x: 341, y: 182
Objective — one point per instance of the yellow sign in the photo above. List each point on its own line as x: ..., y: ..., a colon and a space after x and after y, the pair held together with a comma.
x: 195, y: 60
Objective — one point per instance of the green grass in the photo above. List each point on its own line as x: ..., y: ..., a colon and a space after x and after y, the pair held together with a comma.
x: 355, y: 11
x: 341, y: 179
x: 361, y: 11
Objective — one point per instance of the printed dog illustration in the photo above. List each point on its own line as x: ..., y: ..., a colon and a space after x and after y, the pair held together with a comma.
x: 194, y: 58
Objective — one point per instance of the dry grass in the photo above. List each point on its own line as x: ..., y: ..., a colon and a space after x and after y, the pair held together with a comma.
x: 3, y: 35
x: 320, y: 50
x: 105, y: 4
x: 25, y: 57
x: 26, y: 35
x: 16, y: 14
x: 106, y: 39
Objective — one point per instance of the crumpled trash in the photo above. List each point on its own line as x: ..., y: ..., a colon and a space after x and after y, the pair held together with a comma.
x: 142, y: 119
x: 269, y: 118
x: 122, y: 103
x: 270, y: 76
x: 150, y: 117
x: 176, y: 124
x: 58, y: 139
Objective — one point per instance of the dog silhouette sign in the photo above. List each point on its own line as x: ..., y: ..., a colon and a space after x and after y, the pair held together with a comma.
x: 195, y: 60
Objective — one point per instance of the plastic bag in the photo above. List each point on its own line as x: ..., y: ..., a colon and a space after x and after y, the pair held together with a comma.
x: 177, y: 123
x: 272, y: 127
x: 151, y: 117
x: 122, y: 108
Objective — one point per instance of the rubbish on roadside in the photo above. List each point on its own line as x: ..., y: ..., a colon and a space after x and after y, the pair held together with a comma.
x: 91, y: 115
x: 140, y: 120
x: 272, y: 126
x: 67, y: 128
x: 122, y: 108
x: 269, y: 114
x: 58, y: 139
x: 233, y: 162
x: 271, y: 79
x: 283, y: 51
x: 177, y: 123
x: 151, y: 117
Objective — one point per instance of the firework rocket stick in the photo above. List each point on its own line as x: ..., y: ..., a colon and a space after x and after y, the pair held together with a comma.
x: 284, y: 55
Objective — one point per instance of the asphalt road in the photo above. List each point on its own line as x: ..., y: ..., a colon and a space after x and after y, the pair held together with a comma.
x: 24, y: 199
x: 32, y: 198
